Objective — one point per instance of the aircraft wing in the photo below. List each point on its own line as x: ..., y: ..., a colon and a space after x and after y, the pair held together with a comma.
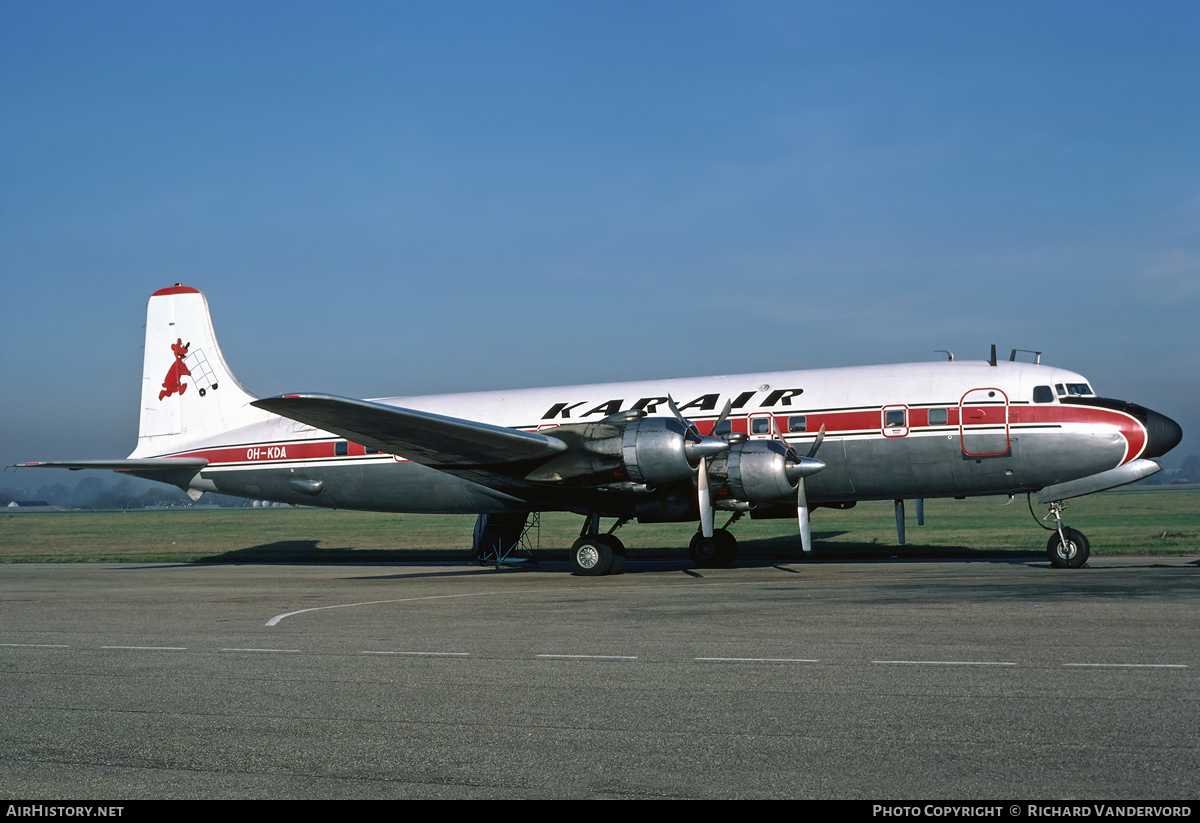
x: 430, y: 439
x: 147, y: 465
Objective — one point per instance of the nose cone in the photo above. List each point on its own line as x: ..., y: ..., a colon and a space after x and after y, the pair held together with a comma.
x: 1164, y: 434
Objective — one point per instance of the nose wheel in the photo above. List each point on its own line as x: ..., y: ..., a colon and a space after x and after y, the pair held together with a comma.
x: 1068, y: 549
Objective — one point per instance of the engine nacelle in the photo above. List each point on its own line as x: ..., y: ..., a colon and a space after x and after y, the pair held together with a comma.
x: 654, y: 450
x: 754, y: 470
x: 650, y: 450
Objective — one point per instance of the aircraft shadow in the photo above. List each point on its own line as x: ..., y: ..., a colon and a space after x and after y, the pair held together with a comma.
x: 308, y: 551
x: 787, y: 549
x: 763, y: 552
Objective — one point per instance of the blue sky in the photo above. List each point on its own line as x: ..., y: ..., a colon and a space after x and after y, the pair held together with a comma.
x: 405, y: 198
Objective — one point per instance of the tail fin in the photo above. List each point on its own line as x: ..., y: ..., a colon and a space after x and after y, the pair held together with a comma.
x: 188, y: 391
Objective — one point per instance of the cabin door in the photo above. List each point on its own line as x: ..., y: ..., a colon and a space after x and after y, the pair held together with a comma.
x: 983, y: 423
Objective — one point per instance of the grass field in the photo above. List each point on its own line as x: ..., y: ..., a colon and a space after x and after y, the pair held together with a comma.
x: 1127, y: 522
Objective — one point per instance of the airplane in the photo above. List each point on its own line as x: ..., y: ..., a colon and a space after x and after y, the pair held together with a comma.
x: 772, y: 444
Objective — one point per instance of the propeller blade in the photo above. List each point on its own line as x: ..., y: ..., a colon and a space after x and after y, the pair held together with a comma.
x: 721, y: 418
x: 691, y: 427
x: 777, y: 430
x: 802, y: 516
x: 706, y: 510
x: 817, y: 443
x: 700, y: 447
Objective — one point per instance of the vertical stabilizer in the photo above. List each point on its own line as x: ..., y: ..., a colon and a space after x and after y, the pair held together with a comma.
x: 188, y: 391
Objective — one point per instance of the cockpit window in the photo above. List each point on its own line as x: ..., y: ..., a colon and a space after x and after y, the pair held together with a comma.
x: 1078, y: 389
x: 1043, y: 394
x: 1062, y: 391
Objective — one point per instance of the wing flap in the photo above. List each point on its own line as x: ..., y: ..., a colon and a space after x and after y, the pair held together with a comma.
x: 431, y: 439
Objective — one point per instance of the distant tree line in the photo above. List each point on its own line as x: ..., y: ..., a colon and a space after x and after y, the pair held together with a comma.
x: 121, y: 493
x: 1188, y: 472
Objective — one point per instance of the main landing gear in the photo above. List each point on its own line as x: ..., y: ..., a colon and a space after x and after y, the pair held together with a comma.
x: 714, y: 552
x: 718, y: 551
x: 595, y: 554
x: 1067, y: 547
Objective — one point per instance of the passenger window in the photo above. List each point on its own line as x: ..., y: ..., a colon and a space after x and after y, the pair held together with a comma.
x: 341, y: 448
x: 1042, y: 394
x: 369, y: 450
x: 726, y: 427
x: 760, y: 425
x: 937, y: 417
x: 797, y: 423
x: 893, y: 419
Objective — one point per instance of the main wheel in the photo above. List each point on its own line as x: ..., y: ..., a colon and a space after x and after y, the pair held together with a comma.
x: 618, y: 553
x: 592, y: 556
x: 1069, y: 555
x: 714, y: 552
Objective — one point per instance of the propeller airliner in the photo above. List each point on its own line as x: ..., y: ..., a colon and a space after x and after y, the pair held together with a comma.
x: 771, y: 444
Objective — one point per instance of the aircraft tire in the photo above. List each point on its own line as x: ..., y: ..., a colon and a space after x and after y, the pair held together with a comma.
x: 618, y: 550
x: 714, y: 552
x: 592, y: 556
x: 1071, y: 556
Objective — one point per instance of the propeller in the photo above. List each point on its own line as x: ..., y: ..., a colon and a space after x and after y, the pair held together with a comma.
x: 800, y: 468
x: 700, y: 446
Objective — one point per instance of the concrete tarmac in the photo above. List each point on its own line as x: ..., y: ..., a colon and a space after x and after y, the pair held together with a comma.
x: 878, y: 680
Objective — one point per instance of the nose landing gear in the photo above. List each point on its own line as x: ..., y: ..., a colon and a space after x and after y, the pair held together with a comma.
x: 1067, y: 547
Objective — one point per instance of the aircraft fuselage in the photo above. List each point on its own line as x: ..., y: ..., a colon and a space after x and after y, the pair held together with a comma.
x: 943, y: 429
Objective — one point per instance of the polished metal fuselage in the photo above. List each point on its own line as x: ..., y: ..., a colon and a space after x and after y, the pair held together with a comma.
x: 969, y: 428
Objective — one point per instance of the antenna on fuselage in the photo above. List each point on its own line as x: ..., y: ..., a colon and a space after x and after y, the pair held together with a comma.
x: 1037, y: 355
x: 993, y: 360
x: 949, y: 354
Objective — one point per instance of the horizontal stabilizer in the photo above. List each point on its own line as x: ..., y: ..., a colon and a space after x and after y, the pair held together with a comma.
x: 147, y: 465
x: 1131, y: 472
x: 423, y: 437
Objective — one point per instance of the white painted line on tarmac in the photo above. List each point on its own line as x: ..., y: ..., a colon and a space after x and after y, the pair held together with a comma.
x: 36, y: 645
x: 946, y: 662
x: 150, y: 648
x: 428, y: 654
x: 260, y: 650
x: 755, y: 659
x: 1130, y: 665
x: 275, y: 620
x: 592, y: 656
